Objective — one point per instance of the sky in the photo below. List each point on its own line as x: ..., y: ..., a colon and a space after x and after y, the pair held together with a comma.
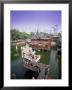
x: 30, y: 21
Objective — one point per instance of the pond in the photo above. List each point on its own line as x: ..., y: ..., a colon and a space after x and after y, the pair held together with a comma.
x: 19, y: 70
x: 55, y: 65
x: 45, y: 56
x: 17, y: 67
x: 49, y: 57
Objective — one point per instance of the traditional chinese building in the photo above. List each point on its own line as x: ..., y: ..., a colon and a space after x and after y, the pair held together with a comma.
x: 41, y: 43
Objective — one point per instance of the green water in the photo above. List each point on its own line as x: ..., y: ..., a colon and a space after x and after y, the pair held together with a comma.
x: 15, y: 54
x: 17, y: 67
x: 47, y: 57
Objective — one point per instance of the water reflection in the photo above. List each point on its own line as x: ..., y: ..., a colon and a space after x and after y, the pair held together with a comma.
x: 21, y: 72
x: 54, y: 65
x: 18, y: 68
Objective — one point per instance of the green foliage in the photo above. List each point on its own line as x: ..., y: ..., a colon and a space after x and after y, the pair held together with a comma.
x: 23, y: 35
x: 32, y: 33
x: 16, y: 35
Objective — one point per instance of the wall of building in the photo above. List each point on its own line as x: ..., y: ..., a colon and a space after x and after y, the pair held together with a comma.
x: 41, y: 43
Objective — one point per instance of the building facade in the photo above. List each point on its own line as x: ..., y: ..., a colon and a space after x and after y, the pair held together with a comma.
x: 41, y: 43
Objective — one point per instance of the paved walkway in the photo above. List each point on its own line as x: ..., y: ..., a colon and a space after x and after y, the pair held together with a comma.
x: 41, y: 74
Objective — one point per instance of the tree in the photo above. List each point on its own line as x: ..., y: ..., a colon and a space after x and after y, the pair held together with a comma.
x: 16, y: 35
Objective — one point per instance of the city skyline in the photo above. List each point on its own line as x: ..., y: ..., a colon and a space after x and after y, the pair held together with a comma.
x: 30, y: 21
